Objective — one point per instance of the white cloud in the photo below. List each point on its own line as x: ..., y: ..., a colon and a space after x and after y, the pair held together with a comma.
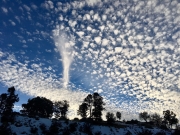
x: 72, y: 23
x: 12, y: 23
x: 27, y: 8
x: 81, y: 33
x: 48, y: 5
x: 118, y: 49
x: 97, y: 40
x: 104, y: 17
x: 89, y: 28
x: 34, y: 6
x: 18, y: 19
x: 96, y: 17
x: 116, y: 32
x: 4, y: 10
x: 92, y: 2
x: 105, y: 42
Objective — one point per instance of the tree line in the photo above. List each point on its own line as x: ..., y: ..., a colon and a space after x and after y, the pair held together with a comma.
x: 169, y: 119
x: 91, y: 108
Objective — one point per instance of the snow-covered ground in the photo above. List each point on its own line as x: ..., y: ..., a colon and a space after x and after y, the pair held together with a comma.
x: 24, y: 125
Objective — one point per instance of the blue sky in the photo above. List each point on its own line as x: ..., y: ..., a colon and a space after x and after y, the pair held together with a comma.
x: 128, y: 51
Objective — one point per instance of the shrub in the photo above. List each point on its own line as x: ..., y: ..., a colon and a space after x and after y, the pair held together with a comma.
x: 90, y: 120
x: 34, y: 130
x: 43, y: 128
x: 132, y: 122
x: 176, y: 132
x: 110, y: 117
x: 66, y: 121
x: 63, y: 118
x: 145, y: 132
x: 36, y: 117
x: 18, y: 124
x: 164, y: 127
x: 149, y: 126
x: 76, y: 119
x: 5, y: 130
x: 160, y: 133
x: 66, y: 131
x: 128, y: 133
x: 98, y: 133
x: 4, y: 119
x: 54, y: 128
x: 72, y: 127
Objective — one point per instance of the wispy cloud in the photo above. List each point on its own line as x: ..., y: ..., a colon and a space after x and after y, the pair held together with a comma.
x: 64, y: 44
x: 5, y: 10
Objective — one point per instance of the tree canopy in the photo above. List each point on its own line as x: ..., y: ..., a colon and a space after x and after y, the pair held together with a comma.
x: 144, y: 116
x: 38, y: 106
x: 110, y: 117
x: 170, y: 118
x: 7, y: 101
x: 98, y: 105
x: 60, y: 108
x: 118, y: 115
x: 156, y: 118
x: 92, y: 106
x: 82, y: 111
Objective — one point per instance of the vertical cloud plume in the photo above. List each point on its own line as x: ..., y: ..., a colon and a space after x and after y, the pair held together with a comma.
x: 64, y: 44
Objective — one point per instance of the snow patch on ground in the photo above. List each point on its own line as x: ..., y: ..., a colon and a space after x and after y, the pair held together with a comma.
x: 24, y: 124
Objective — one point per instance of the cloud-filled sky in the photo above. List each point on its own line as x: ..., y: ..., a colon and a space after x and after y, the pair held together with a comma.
x: 128, y: 51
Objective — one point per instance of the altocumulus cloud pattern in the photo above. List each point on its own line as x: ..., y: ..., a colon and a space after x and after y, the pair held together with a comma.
x: 128, y: 51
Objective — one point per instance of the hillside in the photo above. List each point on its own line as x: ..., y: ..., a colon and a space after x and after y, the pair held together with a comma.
x: 24, y: 125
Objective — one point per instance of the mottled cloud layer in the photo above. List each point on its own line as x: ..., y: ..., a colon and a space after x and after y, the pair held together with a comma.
x: 126, y: 51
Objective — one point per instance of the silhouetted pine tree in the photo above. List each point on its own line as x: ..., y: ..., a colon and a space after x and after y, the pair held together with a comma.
x: 7, y: 104
x: 60, y: 109
x: 144, y: 116
x: 110, y: 117
x: 170, y: 117
x: 3, y: 98
x: 94, y: 104
x: 89, y: 101
x: 98, y: 107
x: 118, y: 115
x: 82, y: 111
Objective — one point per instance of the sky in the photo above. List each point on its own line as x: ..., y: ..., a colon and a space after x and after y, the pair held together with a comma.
x: 127, y: 51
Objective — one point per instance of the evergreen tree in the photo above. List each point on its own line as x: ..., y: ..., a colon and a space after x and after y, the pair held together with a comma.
x: 170, y: 118
x: 10, y: 100
x: 144, y: 116
x: 118, y: 115
x: 3, y: 98
x: 7, y: 104
x: 83, y: 110
x: 97, y: 107
x: 60, y: 109
x: 94, y: 104
x: 156, y: 119
x: 110, y: 117
x: 38, y: 106
x: 89, y: 101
